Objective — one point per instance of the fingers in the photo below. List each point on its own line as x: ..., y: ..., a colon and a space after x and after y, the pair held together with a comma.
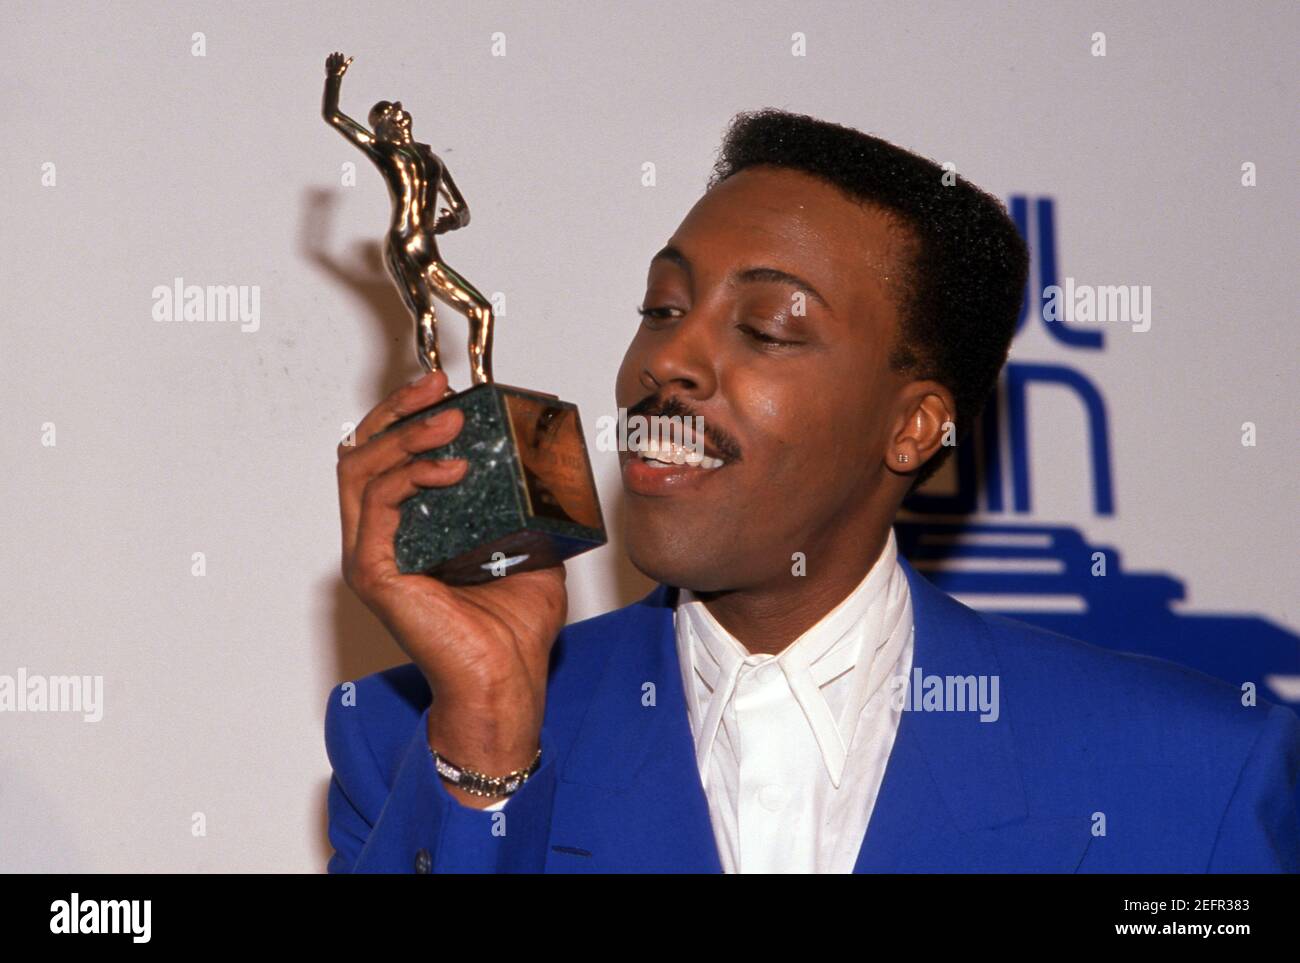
x: 358, y: 466
x: 373, y: 559
x: 420, y: 434
x: 406, y: 400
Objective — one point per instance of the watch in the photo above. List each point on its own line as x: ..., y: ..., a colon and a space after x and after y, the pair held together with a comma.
x: 479, y: 784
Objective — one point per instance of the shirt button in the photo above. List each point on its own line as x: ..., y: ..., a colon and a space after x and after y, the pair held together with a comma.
x: 773, y: 798
x: 423, y: 863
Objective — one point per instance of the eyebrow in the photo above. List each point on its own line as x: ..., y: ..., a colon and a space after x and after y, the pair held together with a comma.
x: 750, y: 275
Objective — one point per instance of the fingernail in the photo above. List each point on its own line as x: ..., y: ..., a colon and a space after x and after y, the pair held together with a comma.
x: 420, y: 379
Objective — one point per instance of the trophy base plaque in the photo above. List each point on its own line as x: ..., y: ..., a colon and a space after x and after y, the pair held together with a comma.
x: 527, y: 501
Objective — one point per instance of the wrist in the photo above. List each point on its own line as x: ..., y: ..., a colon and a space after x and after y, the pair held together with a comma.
x: 489, y: 740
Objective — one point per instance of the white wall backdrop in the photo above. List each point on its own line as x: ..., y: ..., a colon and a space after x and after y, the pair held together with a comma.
x: 129, y: 161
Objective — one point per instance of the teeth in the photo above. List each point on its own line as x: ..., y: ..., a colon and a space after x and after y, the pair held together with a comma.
x: 657, y: 457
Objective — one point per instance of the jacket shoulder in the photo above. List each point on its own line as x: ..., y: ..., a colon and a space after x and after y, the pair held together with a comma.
x: 1122, y: 705
x: 1188, y: 773
x: 369, y: 721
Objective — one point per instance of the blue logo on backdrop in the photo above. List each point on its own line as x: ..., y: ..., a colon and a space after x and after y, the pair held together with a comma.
x: 1050, y: 575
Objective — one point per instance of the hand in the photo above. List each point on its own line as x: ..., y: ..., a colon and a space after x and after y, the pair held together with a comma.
x: 446, y: 221
x: 484, y: 649
x: 336, y: 65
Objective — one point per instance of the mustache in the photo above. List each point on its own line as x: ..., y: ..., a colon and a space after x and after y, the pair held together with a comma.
x: 652, y: 407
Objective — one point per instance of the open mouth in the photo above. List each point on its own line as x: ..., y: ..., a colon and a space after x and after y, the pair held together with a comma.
x: 661, y: 456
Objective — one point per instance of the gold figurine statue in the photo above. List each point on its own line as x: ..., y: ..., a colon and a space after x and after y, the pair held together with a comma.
x: 416, y: 177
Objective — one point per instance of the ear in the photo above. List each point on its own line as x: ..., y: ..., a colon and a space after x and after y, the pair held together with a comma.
x: 926, y: 422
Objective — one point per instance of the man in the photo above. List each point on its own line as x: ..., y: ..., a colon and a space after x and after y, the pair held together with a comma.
x: 837, y: 315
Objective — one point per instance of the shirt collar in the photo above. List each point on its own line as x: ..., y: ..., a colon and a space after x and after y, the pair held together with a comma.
x: 865, y: 630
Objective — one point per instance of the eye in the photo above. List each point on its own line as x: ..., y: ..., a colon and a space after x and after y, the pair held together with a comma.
x: 766, y: 339
x: 657, y: 314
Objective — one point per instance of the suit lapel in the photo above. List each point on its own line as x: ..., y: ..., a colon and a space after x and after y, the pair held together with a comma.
x: 629, y: 797
x: 952, y: 799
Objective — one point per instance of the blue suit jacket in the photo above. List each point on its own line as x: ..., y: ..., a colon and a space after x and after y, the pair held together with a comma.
x: 1097, y: 762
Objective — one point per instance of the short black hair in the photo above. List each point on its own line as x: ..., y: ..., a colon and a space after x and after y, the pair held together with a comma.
x: 968, y: 264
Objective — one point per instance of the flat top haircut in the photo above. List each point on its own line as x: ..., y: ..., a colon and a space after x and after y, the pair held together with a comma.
x: 967, y: 266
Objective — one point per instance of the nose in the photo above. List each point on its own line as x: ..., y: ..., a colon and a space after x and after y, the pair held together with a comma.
x: 680, y: 358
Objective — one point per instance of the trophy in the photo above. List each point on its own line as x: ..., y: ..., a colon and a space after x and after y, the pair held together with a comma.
x: 528, y: 499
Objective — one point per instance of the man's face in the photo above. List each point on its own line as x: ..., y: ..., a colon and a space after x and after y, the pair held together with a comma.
x: 792, y: 381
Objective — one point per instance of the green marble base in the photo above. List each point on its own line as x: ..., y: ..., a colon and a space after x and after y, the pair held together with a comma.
x: 527, y: 501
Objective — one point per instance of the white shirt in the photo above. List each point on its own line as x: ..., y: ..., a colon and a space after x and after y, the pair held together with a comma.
x: 792, y: 748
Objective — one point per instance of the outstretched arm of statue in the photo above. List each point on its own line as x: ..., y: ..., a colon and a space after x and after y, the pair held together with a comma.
x: 335, y: 67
